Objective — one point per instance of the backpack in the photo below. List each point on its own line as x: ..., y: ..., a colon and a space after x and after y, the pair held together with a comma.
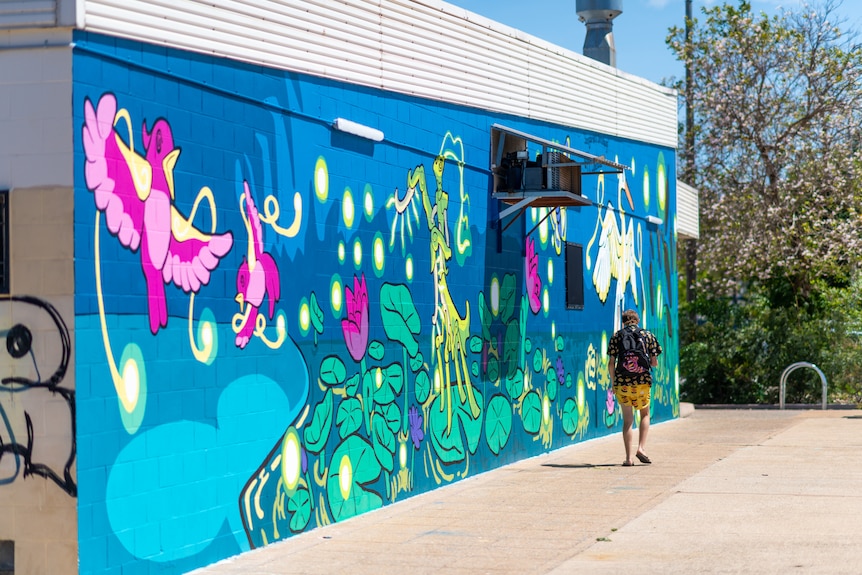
x: 633, y: 358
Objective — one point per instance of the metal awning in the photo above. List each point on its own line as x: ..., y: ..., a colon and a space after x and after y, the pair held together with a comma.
x: 549, y: 145
x: 539, y: 199
x: 553, y: 183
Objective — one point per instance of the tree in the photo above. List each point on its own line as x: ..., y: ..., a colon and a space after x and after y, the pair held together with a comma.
x: 777, y: 133
x: 777, y: 128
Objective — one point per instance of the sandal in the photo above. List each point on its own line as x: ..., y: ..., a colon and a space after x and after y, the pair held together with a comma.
x: 627, y: 463
x: 643, y: 458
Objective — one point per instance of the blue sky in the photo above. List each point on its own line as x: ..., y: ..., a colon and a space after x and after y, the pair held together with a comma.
x: 639, y: 32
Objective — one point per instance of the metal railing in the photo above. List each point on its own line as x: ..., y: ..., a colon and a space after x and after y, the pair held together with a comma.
x: 793, y: 367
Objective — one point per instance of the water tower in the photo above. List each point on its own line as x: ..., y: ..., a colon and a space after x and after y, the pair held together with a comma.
x: 598, y: 15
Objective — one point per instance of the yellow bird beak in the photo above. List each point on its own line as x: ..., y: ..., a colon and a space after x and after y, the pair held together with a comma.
x: 168, y: 165
x: 629, y: 195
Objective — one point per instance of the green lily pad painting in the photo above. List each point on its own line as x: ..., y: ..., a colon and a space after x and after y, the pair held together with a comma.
x: 316, y: 433
x: 353, y: 465
x: 498, y: 423
x: 531, y: 412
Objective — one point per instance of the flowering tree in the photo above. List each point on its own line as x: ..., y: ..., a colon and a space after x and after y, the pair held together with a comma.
x: 776, y: 105
x: 777, y: 130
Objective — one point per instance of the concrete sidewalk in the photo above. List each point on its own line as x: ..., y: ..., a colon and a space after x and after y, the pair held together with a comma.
x: 729, y: 491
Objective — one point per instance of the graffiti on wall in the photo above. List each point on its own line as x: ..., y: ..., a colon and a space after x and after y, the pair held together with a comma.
x: 26, y: 387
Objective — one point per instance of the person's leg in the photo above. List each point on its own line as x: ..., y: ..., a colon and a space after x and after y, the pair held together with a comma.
x: 628, y: 420
x: 643, y: 430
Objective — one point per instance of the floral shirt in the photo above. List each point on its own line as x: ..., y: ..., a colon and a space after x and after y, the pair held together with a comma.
x: 653, y: 348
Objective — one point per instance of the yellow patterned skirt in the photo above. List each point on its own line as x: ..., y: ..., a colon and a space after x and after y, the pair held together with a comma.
x: 634, y: 394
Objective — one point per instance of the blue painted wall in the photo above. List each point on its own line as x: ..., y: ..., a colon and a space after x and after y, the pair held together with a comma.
x: 284, y: 326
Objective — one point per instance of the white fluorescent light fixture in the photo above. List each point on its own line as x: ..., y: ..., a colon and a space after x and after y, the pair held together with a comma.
x: 357, y: 129
x: 654, y: 220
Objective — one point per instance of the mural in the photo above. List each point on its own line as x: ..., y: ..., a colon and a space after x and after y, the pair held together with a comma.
x: 136, y: 195
x: 24, y: 393
x: 257, y: 277
x: 367, y: 343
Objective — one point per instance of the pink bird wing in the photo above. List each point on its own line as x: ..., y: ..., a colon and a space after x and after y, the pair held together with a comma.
x: 192, y: 254
x: 255, y: 229
x: 273, y: 283
x: 119, y: 178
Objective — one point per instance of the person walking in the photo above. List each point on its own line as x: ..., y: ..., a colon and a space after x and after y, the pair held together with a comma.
x: 632, y: 353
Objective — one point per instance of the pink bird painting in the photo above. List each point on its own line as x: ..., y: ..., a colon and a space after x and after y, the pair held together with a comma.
x: 136, y: 194
x: 257, y: 276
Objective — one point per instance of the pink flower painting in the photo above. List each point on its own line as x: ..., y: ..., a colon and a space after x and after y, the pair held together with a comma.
x: 534, y: 282
x: 355, y: 326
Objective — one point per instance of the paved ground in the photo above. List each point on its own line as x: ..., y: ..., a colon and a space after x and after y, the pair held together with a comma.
x: 729, y: 491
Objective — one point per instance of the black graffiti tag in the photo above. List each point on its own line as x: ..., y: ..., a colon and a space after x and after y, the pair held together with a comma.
x: 19, y: 345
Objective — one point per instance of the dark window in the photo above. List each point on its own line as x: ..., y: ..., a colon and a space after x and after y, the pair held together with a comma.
x: 574, y: 276
x: 4, y: 241
x: 7, y: 553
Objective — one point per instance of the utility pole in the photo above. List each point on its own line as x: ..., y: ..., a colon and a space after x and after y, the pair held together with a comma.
x: 689, y: 170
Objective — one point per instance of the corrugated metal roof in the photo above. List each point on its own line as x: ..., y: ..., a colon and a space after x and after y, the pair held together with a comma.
x: 687, y: 218
x: 427, y: 48
x: 28, y: 14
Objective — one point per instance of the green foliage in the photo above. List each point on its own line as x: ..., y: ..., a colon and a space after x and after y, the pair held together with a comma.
x: 538, y: 361
x: 776, y: 103
x: 738, y: 349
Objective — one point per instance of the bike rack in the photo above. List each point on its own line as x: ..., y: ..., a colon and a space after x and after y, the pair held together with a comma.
x: 793, y: 367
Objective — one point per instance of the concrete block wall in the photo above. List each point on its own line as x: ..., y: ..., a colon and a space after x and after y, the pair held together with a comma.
x: 38, y: 477
x: 394, y: 346
x: 35, y: 119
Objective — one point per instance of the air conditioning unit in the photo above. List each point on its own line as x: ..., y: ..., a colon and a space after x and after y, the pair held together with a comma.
x: 562, y: 173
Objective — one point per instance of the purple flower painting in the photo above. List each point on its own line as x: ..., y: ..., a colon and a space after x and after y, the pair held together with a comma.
x: 416, y: 433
